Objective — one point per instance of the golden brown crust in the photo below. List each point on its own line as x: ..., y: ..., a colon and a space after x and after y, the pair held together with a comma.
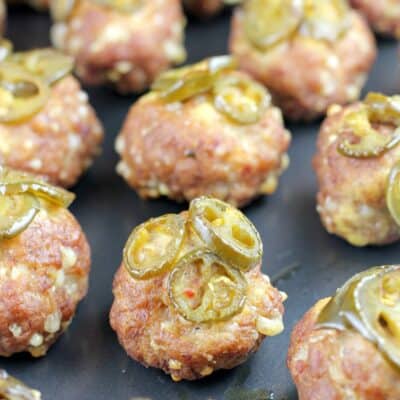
x: 383, y: 15
x: 327, y: 364
x: 59, y: 142
x: 128, y: 51
x: 204, y: 8
x: 306, y: 76
x: 43, y: 275
x: 155, y: 334
x: 190, y: 149
x: 351, y: 196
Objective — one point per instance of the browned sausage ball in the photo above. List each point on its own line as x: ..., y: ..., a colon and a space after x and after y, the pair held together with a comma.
x: 305, y: 74
x: 43, y: 275
x: 59, y: 141
x: 186, y: 149
x: 126, y: 48
x: 204, y: 8
x: 351, y: 196
x: 383, y: 15
x: 327, y: 364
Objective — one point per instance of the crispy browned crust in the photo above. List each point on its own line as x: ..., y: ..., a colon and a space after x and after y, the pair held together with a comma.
x: 190, y: 149
x: 155, y: 334
x: 381, y: 15
x: 59, y: 142
x: 330, y: 365
x: 203, y: 8
x: 306, y: 76
x: 43, y: 275
x: 128, y: 51
x: 351, y: 197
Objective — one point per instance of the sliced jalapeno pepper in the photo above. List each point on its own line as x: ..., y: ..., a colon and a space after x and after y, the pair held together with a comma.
x: 16, y: 213
x: 122, y: 6
x: 268, y: 22
x: 226, y: 231
x: 62, y: 9
x: 393, y: 193
x: 203, y: 288
x: 48, y: 64
x: 383, y: 108
x: 154, y: 245
x: 240, y: 98
x: 6, y: 48
x: 13, y: 389
x: 21, y: 93
x: 183, y: 83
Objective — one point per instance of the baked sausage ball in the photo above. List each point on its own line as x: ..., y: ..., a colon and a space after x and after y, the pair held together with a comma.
x: 357, y: 170
x: 190, y: 297
x: 309, y: 54
x: 383, y: 15
x: 44, y: 264
x: 13, y: 389
x: 204, y: 129
x: 126, y: 44
x: 347, y: 347
x: 47, y: 126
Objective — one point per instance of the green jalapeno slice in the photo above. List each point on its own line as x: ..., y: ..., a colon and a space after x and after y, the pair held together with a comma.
x: 154, y: 245
x: 203, y: 288
x: 227, y: 232
x: 393, y: 193
x: 13, y: 389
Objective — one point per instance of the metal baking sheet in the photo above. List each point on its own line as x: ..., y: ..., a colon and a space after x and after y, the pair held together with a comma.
x: 87, y: 363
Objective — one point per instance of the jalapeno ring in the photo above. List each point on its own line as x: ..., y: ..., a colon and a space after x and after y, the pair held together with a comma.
x: 13, y: 389
x: 226, y: 231
x: 203, y: 288
x: 393, y: 193
x: 154, y: 245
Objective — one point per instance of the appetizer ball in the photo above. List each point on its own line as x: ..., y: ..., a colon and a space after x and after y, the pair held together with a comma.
x: 358, y: 171
x: 347, y: 347
x: 205, y: 129
x: 44, y: 266
x: 190, y: 297
x: 125, y: 44
x: 47, y: 126
x: 204, y: 8
x: 13, y: 389
x: 383, y: 15
x: 309, y: 54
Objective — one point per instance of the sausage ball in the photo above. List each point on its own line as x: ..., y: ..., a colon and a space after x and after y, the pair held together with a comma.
x: 45, y: 261
x: 341, y: 363
x: 126, y: 45
x: 383, y: 16
x: 356, y: 155
x: 49, y: 128
x: 204, y: 129
x: 309, y: 56
x: 184, y: 304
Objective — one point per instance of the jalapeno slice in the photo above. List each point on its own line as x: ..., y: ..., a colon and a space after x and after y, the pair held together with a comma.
x: 393, y: 193
x: 6, y: 48
x: 13, y: 389
x: 21, y: 93
x: 16, y: 213
x: 183, y: 83
x: 226, y: 231
x: 154, y: 245
x: 383, y: 108
x: 122, y: 6
x: 326, y: 20
x: 61, y: 9
x: 48, y: 64
x: 203, y: 288
x: 378, y: 303
x: 268, y: 22
x: 240, y: 98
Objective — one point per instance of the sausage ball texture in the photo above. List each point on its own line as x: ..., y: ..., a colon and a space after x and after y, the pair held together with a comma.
x: 315, y: 73
x: 352, y: 191
x: 327, y: 364
x: 203, y: 8
x: 188, y: 149
x: 60, y: 141
x: 125, y: 49
x: 383, y: 16
x: 43, y: 275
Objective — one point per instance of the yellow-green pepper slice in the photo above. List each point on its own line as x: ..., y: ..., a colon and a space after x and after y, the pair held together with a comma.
x: 226, y: 231
x: 183, y: 83
x: 22, y: 94
x: 13, y: 389
x: 268, y: 22
x: 16, y: 213
x: 240, y: 98
x: 154, y: 245
x: 383, y: 108
x: 393, y: 193
x: 6, y: 48
x: 203, y: 288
